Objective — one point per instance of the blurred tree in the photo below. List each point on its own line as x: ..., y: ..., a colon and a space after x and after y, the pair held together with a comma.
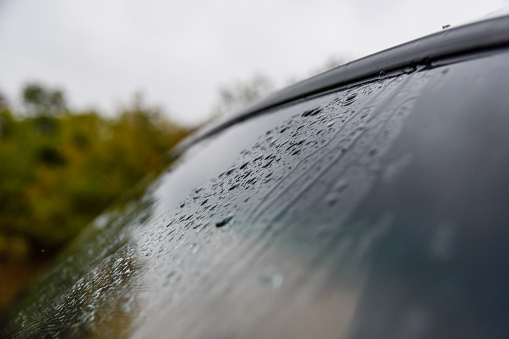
x: 239, y: 94
x: 59, y: 169
x: 44, y: 105
x: 3, y: 100
x: 52, y: 184
x: 332, y: 62
x: 41, y: 101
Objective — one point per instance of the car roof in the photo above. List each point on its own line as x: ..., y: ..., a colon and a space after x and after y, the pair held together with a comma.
x: 462, y: 40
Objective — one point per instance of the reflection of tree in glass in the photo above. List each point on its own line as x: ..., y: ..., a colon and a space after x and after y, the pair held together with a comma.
x: 92, y: 289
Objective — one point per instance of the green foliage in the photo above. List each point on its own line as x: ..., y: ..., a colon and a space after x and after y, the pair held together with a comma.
x: 40, y: 101
x: 60, y: 169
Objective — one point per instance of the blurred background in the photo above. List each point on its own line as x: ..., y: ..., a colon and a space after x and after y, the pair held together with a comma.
x: 93, y: 94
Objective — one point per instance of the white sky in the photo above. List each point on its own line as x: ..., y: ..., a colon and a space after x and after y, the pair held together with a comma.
x: 178, y: 52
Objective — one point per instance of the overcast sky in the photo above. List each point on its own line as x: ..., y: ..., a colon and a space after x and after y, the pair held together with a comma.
x: 178, y: 52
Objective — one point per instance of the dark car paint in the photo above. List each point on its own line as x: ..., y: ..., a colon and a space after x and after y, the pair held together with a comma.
x: 375, y: 210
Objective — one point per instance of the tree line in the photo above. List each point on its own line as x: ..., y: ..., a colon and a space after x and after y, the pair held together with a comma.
x: 60, y: 168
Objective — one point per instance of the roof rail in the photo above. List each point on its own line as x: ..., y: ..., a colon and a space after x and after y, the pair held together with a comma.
x: 469, y: 38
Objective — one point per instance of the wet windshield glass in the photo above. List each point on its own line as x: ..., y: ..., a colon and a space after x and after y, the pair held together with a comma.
x: 372, y: 209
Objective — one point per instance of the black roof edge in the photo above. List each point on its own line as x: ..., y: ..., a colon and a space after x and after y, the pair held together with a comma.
x: 470, y: 38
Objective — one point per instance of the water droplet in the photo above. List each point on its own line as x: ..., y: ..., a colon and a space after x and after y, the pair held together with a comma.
x: 273, y: 141
x: 258, y: 157
x: 283, y: 129
x: 273, y: 281
x: 267, y: 164
x: 409, y: 70
x: 350, y: 99
x: 442, y: 241
x: 116, y: 263
x: 126, y: 307
x: 311, y: 112
x: 331, y: 198
x: 224, y: 221
x: 169, y: 278
x: 194, y: 248
x: 244, y: 165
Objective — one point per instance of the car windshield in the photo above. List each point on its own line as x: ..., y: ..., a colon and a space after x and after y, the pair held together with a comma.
x: 373, y: 210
